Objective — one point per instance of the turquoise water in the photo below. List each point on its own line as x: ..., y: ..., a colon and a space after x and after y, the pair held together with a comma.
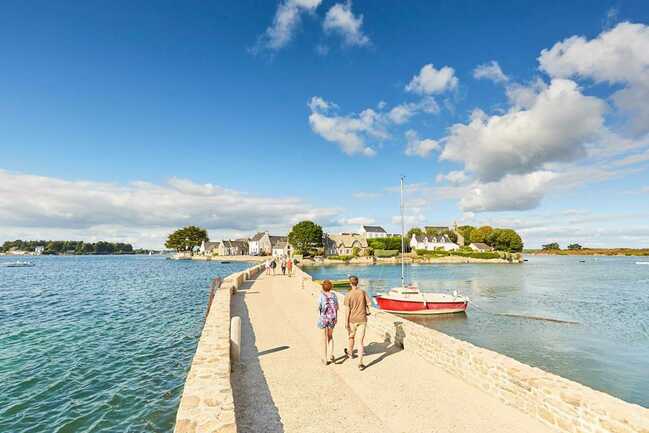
x: 99, y: 344
x: 608, y: 296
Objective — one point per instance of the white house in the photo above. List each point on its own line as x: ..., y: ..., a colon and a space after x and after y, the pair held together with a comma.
x: 39, y: 250
x: 418, y: 242
x: 254, y: 244
x: 373, y: 232
x: 432, y: 243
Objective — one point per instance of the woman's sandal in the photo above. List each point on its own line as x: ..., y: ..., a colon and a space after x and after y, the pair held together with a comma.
x: 361, y: 367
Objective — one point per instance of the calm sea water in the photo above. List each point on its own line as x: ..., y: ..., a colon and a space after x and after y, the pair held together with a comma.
x: 608, y: 296
x: 99, y: 344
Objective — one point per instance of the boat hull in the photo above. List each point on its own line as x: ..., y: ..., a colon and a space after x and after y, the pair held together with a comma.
x: 420, y: 308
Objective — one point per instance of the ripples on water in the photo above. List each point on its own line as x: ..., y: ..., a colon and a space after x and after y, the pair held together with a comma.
x: 99, y: 344
x: 608, y: 296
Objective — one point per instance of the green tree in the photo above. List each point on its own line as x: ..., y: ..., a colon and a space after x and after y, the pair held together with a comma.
x: 466, y: 232
x: 414, y: 231
x: 551, y: 246
x: 186, y: 238
x: 481, y: 234
x: 306, y: 237
x: 574, y: 247
x: 505, y: 240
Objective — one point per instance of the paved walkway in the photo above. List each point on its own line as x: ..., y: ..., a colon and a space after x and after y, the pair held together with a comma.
x: 282, y: 386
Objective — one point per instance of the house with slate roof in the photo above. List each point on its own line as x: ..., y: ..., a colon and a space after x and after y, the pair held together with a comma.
x: 371, y: 232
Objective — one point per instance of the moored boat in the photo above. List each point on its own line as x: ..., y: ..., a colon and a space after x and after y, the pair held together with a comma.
x: 408, y: 299
x: 337, y: 284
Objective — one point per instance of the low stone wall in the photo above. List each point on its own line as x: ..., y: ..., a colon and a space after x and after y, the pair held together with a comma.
x: 564, y: 405
x: 207, y: 405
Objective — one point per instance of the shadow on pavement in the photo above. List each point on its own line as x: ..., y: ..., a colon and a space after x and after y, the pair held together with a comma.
x: 254, y: 407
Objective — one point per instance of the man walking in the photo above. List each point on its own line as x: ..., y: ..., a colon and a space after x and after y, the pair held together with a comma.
x: 357, y: 303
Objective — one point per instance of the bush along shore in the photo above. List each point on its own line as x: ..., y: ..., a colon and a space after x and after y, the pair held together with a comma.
x: 422, y: 257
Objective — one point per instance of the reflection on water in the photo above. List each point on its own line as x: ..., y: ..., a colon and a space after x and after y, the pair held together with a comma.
x: 607, y: 296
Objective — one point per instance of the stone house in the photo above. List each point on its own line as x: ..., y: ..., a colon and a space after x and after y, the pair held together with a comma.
x: 233, y: 248
x: 343, y: 244
x: 208, y: 248
x: 281, y: 249
x: 480, y: 247
x: 267, y: 242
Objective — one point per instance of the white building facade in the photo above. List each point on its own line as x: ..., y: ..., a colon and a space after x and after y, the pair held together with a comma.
x: 371, y: 232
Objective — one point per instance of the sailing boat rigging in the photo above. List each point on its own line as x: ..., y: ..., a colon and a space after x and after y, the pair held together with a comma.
x: 408, y: 299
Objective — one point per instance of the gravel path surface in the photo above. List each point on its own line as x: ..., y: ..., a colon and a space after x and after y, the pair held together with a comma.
x: 282, y: 386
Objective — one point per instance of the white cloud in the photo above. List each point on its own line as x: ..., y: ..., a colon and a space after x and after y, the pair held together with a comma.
x: 419, y: 147
x: 139, y: 211
x: 430, y: 80
x: 340, y: 19
x: 356, y: 221
x: 286, y: 20
x: 490, y: 71
x: 522, y: 96
x: 555, y: 128
x: 362, y: 195
x: 456, y: 177
x: 616, y: 56
x: 513, y: 192
x: 402, y: 113
x: 349, y: 132
x: 317, y: 103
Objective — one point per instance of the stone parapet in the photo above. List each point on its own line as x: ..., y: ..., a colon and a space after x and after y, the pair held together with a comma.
x: 207, y: 404
x: 562, y: 404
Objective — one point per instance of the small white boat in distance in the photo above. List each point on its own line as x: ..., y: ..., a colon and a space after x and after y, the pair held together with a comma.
x: 18, y: 264
x: 642, y: 263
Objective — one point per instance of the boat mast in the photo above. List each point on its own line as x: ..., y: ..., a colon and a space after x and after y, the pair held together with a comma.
x: 403, y: 250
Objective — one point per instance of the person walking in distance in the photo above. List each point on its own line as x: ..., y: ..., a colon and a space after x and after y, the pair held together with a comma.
x: 283, y: 266
x: 358, y: 307
x: 273, y: 265
x: 267, y: 265
x: 289, y: 267
x: 328, y: 308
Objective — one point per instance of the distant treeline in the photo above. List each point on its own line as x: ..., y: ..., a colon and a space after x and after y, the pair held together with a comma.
x: 69, y: 247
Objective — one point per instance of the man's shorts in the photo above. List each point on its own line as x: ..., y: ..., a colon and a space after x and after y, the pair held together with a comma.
x: 354, y: 327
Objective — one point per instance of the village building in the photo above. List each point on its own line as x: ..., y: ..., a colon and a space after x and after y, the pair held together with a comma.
x: 267, y: 242
x: 254, y: 245
x: 480, y: 247
x: 371, y: 232
x: 281, y: 249
x: 343, y: 244
x: 208, y: 248
x: 432, y: 243
x: 233, y: 248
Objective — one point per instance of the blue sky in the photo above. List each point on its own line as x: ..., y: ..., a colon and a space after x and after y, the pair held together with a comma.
x: 123, y: 120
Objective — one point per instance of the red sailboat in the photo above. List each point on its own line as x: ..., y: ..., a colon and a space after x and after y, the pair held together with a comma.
x: 411, y: 300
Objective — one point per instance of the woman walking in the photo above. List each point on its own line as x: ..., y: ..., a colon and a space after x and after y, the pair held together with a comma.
x: 289, y: 267
x: 328, y: 308
x: 283, y: 266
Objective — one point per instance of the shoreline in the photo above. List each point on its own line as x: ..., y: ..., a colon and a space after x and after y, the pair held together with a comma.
x: 448, y: 260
